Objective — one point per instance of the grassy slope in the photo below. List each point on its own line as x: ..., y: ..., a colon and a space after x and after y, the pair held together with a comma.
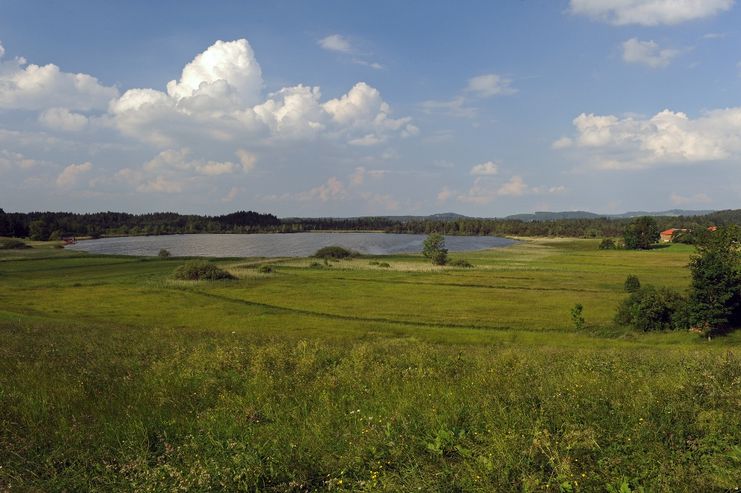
x: 357, y: 377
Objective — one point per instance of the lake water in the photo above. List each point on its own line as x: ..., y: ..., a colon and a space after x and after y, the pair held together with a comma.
x: 278, y: 245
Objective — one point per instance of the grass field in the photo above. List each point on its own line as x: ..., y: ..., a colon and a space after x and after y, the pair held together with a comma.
x: 355, y: 377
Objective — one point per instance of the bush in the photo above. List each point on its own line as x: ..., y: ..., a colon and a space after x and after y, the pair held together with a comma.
x: 201, y: 270
x: 461, y: 263
x: 373, y: 262
x: 335, y: 252
x: 164, y: 253
x: 632, y: 284
x: 577, y: 316
x: 650, y: 309
x: 607, y: 244
x: 316, y: 265
x: 265, y: 269
x: 12, y: 244
x: 385, y: 265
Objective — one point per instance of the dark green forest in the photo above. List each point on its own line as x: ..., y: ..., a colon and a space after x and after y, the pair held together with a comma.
x: 54, y: 225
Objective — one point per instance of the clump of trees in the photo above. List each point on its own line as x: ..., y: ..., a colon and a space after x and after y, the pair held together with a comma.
x: 201, y: 270
x: 650, y: 308
x: 434, y: 249
x: 335, y: 252
x: 715, y: 295
x: 714, y: 301
x: 641, y: 233
x: 164, y: 253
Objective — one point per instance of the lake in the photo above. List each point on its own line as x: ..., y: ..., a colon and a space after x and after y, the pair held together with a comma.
x: 277, y: 244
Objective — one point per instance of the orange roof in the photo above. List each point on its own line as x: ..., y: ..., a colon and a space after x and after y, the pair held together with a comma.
x: 669, y: 232
x: 712, y: 228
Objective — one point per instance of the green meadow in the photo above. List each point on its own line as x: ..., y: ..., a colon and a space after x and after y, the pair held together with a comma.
x: 354, y: 376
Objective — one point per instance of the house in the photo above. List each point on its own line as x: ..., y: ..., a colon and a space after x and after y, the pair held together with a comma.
x: 69, y: 240
x: 712, y: 228
x: 666, y: 236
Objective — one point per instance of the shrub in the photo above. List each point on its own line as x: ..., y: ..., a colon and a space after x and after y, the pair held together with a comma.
x: 461, y: 263
x: 164, y: 253
x: 316, y: 265
x: 607, y: 244
x: 651, y: 308
x: 385, y: 265
x: 12, y: 244
x: 265, y: 269
x: 201, y: 270
x: 632, y: 284
x: 577, y: 316
x: 335, y: 252
x: 373, y: 262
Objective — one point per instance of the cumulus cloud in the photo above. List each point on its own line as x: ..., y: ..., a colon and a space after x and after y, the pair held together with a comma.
x: 647, y: 53
x: 214, y: 99
x: 648, y: 12
x: 487, y: 168
x: 668, y: 137
x: 488, y: 85
x: 336, y: 42
x: 63, y: 119
x: 70, y: 175
x: 35, y: 87
x: 333, y: 189
x: 226, y: 71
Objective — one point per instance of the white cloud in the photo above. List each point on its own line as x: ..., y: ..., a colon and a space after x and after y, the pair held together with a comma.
x: 160, y: 184
x: 232, y: 194
x: 647, y: 53
x: 336, y: 42
x: 247, y: 159
x: 668, y: 137
x: 13, y: 160
x: 34, y: 87
x: 648, y: 12
x: 333, y: 189
x: 485, y: 190
x: 516, y: 186
x: 455, y: 107
x: 488, y: 168
x: 63, y: 119
x: 227, y: 72
x: 562, y: 143
x: 213, y: 101
x: 69, y: 176
x: 366, y: 140
x: 2, y: 50
x: 698, y: 198
x: 488, y: 85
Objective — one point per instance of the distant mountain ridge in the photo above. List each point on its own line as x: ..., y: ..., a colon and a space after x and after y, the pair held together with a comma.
x: 554, y: 216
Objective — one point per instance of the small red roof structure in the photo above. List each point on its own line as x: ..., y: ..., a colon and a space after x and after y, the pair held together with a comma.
x: 712, y: 228
x: 666, y: 235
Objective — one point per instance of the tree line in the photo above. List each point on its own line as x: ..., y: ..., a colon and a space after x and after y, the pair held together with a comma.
x: 52, y: 225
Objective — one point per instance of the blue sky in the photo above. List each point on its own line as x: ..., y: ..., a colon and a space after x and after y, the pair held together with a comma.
x: 349, y: 108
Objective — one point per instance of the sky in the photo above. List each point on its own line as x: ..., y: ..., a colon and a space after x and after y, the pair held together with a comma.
x: 336, y: 108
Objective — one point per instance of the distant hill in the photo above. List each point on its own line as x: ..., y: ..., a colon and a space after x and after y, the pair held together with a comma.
x: 555, y: 216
